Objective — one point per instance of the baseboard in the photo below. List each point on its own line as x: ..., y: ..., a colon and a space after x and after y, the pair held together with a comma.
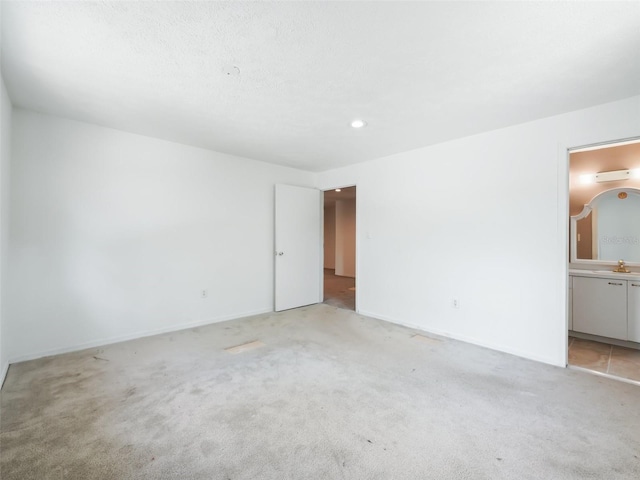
x: 466, y: 339
x: 3, y: 374
x: 133, y: 336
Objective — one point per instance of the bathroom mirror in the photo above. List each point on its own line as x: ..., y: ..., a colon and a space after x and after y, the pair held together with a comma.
x: 608, y: 228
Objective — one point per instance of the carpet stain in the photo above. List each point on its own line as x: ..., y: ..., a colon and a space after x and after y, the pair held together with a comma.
x: 422, y: 338
x: 223, y: 378
x: 244, y: 347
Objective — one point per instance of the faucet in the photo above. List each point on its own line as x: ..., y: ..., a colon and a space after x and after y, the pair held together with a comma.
x: 621, y: 267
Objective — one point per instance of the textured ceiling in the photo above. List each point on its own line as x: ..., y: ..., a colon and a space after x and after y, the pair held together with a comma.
x: 418, y: 72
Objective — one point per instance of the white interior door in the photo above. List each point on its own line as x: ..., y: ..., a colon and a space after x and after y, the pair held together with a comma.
x: 298, y: 247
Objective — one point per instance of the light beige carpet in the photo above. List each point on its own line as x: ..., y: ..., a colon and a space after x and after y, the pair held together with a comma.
x: 330, y: 395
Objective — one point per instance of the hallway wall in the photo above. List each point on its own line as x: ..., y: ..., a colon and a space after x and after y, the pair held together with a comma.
x: 330, y: 236
x: 346, y: 238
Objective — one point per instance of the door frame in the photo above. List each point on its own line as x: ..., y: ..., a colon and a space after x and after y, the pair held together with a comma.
x: 324, y: 189
x: 565, y: 223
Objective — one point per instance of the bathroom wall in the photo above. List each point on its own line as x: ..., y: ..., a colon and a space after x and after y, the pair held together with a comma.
x: 606, y: 159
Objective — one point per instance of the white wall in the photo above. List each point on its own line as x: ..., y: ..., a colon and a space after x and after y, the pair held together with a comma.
x: 330, y: 236
x: 115, y: 235
x: 346, y: 238
x: 5, y: 157
x: 483, y: 219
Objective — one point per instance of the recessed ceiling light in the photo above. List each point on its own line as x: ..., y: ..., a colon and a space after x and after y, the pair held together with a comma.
x: 358, y: 123
x: 338, y: 190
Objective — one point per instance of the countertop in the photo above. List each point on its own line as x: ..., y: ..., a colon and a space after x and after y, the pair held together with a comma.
x: 604, y: 274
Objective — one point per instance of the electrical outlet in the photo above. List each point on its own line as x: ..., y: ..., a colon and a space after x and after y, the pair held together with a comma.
x: 204, y: 294
x: 455, y: 303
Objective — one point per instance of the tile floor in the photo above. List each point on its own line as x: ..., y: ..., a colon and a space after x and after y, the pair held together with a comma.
x: 339, y: 291
x: 604, y: 358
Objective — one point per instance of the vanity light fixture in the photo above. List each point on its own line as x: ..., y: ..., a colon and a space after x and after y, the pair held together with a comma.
x: 609, y: 176
x: 613, y: 176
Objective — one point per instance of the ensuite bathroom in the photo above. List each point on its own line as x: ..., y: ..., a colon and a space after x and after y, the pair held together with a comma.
x: 604, y: 265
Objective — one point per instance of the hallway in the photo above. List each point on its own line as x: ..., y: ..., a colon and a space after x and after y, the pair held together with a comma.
x: 339, y: 291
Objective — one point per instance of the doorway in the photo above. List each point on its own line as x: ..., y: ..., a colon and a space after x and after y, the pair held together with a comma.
x: 604, y: 259
x: 340, y: 247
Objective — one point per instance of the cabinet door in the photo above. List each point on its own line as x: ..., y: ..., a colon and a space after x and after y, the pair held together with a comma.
x: 633, y: 314
x: 600, y: 307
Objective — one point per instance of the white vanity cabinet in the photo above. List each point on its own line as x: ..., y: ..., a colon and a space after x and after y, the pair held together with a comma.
x: 600, y: 306
x: 633, y: 310
x: 606, y: 302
